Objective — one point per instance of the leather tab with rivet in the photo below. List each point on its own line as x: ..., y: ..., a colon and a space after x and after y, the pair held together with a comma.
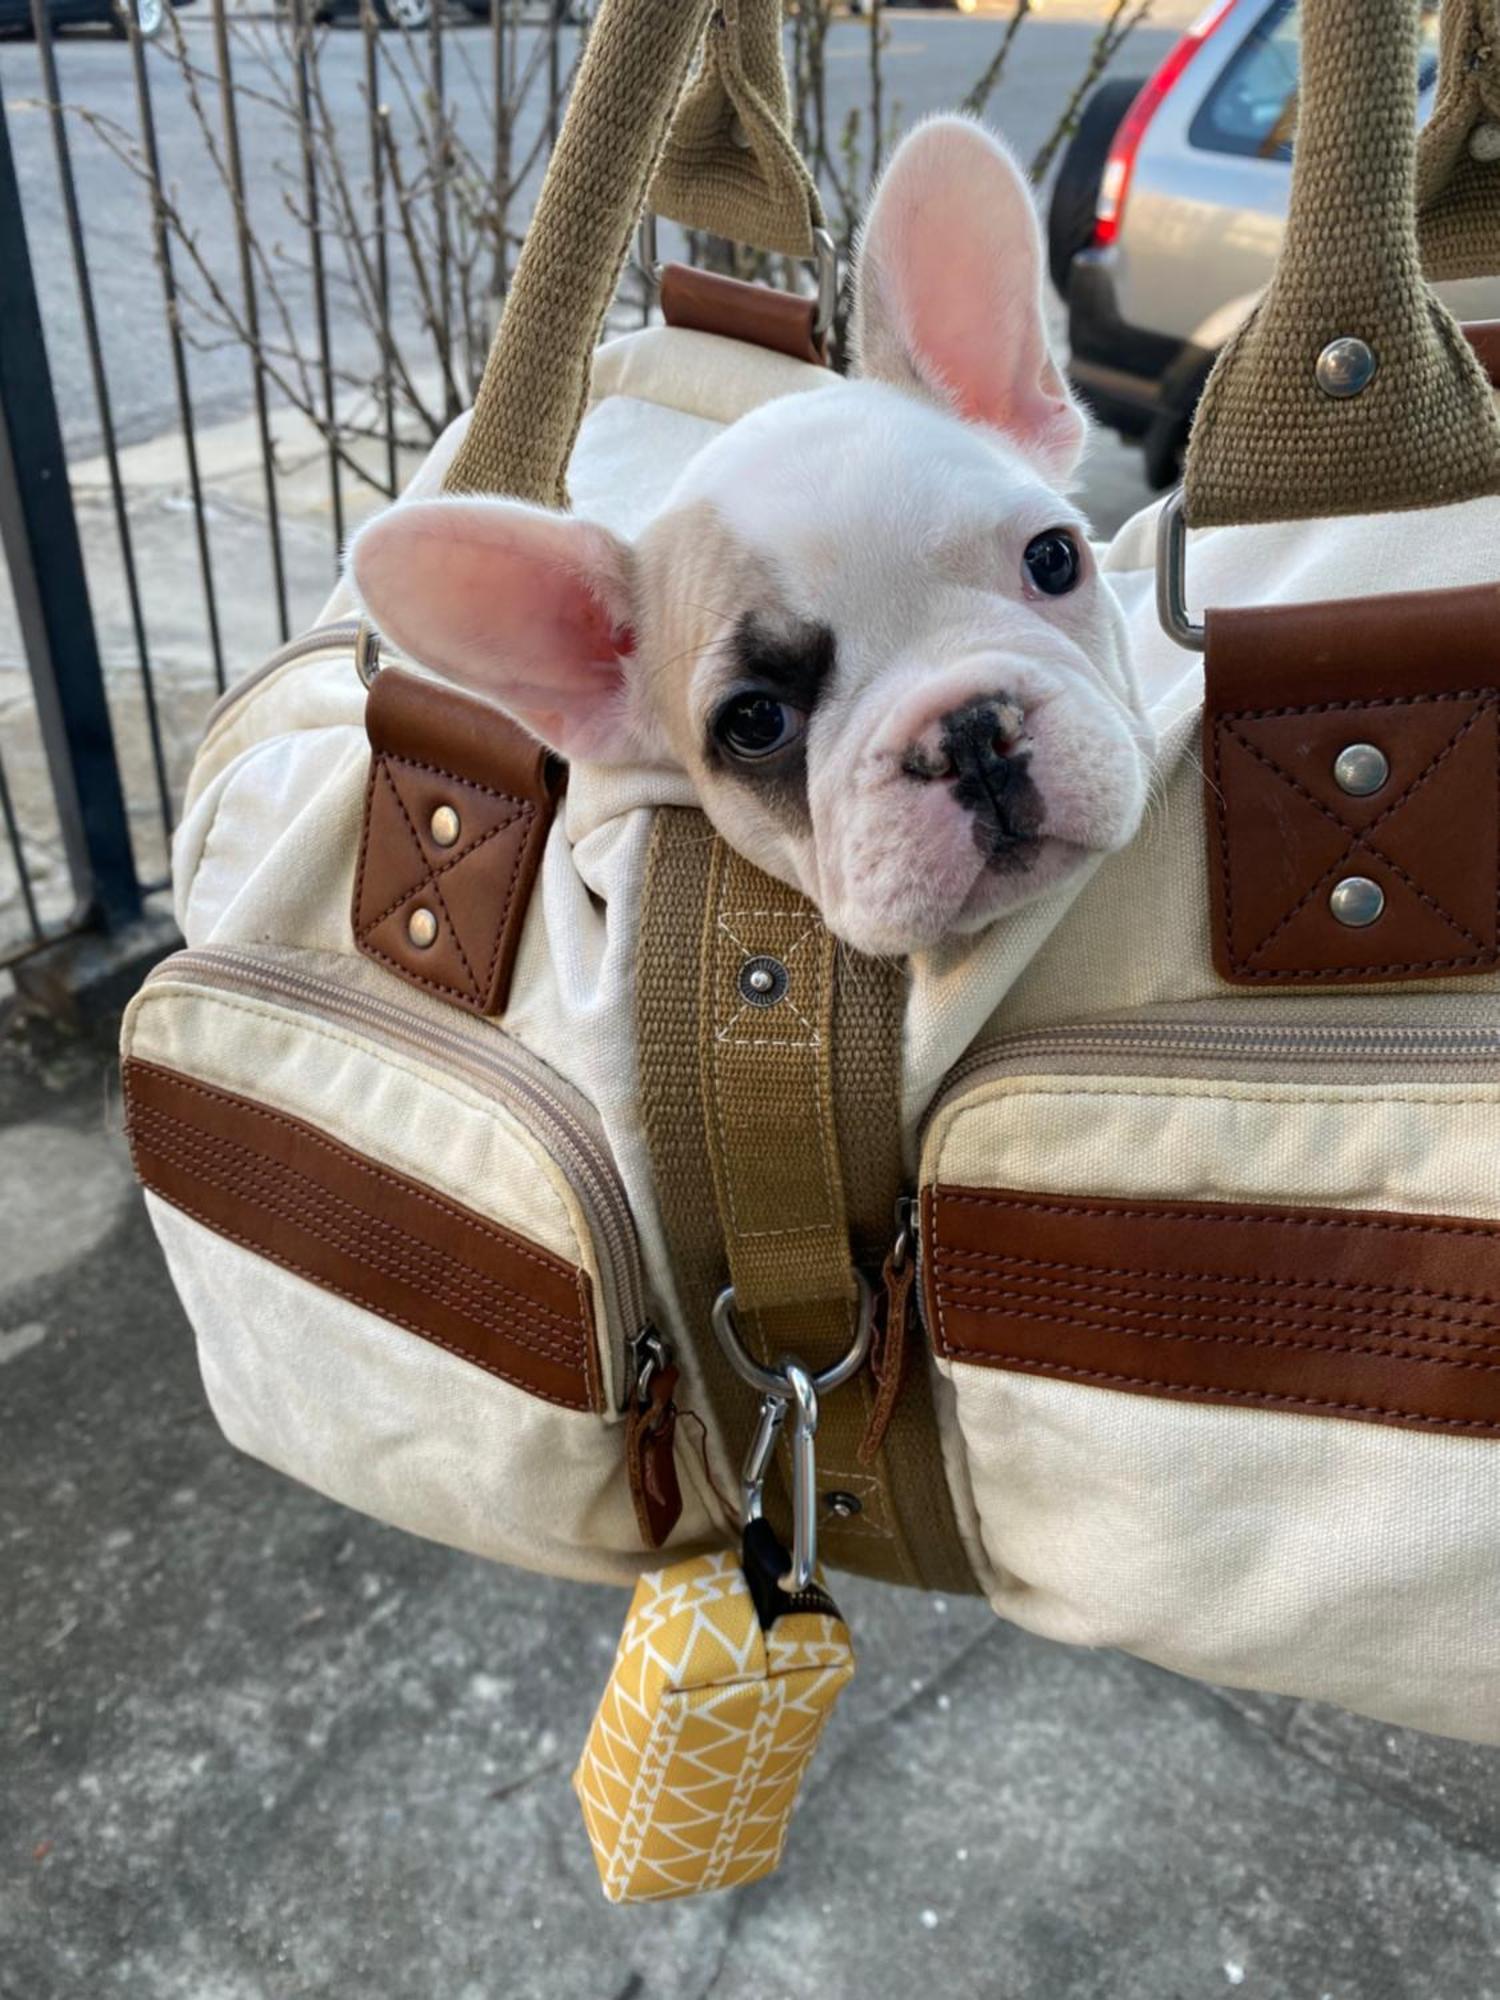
x: 457, y: 811
x: 1351, y: 753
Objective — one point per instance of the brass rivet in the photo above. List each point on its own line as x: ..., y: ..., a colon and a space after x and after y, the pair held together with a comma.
x: 422, y: 928
x: 1356, y: 901
x: 444, y: 826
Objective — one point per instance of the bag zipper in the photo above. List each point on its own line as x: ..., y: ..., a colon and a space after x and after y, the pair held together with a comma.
x: 1223, y: 1045
x: 492, y: 1059
x: 321, y: 639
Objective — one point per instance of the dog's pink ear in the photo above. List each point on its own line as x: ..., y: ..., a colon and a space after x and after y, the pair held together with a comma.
x: 949, y: 293
x: 529, y: 608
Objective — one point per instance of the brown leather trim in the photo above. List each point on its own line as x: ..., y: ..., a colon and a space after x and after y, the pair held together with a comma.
x: 1387, y: 1319
x: 1483, y: 335
x: 432, y: 747
x: 1288, y: 687
x: 355, y: 1227
x: 708, y: 302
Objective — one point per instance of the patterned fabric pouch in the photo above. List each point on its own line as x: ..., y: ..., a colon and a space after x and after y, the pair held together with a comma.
x: 719, y: 1694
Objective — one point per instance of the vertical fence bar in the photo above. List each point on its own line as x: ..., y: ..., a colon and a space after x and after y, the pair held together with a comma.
x: 438, y: 165
x: 42, y: 29
x: 302, y: 32
x: 161, y: 235
x: 503, y: 56
x: 40, y: 538
x: 370, y: 29
x: 555, y: 12
x: 18, y: 856
x: 235, y: 165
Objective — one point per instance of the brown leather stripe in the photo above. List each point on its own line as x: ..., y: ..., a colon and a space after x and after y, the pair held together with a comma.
x: 1383, y: 1318
x: 284, y: 1189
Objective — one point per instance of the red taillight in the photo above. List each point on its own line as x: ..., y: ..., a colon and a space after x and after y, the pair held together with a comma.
x: 1120, y: 165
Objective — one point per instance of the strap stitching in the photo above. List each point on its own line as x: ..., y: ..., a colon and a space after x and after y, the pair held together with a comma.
x: 203, y: 1152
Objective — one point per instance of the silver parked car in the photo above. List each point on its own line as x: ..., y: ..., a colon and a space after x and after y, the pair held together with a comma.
x: 1167, y: 214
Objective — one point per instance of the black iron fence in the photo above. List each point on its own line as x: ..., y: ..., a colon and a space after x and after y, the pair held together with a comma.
x: 327, y: 208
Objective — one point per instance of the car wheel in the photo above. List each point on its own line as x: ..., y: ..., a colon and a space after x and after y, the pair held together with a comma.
x: 1075, y: 194
x: 409, y: 14
x: 1165, y: 446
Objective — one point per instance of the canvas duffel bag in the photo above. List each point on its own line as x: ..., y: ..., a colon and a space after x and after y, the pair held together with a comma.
x: 1176, y: 1192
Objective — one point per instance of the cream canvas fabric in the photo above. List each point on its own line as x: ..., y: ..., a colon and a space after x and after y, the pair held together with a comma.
x: 1263, y: 1549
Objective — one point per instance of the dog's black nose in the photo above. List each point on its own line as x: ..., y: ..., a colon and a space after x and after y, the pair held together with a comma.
x: 990, y: 777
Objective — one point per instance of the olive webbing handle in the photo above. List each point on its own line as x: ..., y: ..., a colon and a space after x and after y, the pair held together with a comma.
x: 1350, y: 388
x: 728, y: 165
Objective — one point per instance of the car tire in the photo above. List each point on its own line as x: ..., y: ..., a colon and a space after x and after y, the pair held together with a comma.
x: 415, y: 16
x: 1075, y: 193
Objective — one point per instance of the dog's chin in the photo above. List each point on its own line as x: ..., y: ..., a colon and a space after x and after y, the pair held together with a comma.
x: 923, y: 920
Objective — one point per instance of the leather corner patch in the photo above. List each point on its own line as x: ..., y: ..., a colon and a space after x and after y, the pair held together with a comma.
x: 1295, y: 849
x: 457, y: 811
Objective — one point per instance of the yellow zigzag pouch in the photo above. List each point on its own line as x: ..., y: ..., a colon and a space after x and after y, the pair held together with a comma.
x: 711, y: 1716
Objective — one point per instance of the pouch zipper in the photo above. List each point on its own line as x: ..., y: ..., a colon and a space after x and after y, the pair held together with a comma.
x: 492, y: 1059
x: 321, y: 639
x: 1124, y: 1048
x: 1224, y: 1046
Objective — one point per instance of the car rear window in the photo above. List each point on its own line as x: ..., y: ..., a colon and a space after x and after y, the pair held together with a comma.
x: 1252, y: 108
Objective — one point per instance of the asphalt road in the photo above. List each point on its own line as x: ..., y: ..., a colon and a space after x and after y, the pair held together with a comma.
x: 930, y: 62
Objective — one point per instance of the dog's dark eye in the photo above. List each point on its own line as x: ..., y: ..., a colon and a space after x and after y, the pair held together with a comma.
x: 1053, y: 562
x: 751, y: 725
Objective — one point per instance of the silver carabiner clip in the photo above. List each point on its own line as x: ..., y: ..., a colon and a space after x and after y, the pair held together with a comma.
x: 789, y: 1389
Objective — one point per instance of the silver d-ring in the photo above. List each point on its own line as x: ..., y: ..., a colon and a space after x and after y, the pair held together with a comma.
x: 1171, y: 577
x: 773, y: 1381
x: 826, y: 260
x: 367, y: 652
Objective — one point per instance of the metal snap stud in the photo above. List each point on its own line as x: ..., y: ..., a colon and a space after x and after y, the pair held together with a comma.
x: 1361, y: 769
x: 843, y: 1506
x: 1345, y: 367
x: 1356, y: 901
x: 444, y: 826
x: 422, y: 928
x: 763, y: 981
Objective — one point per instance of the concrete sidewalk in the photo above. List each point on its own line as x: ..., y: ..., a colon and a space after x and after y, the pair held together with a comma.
x: 255, y: 1748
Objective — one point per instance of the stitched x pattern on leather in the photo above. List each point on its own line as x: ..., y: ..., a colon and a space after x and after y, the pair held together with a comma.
x: 469, y: 892
x: 1362, y: 838
x: 1284, y: 834
x: 428, y: 871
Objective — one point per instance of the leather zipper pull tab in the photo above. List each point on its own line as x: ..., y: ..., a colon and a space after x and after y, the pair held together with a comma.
x: 651, y: 1445
x: 888, y: 1351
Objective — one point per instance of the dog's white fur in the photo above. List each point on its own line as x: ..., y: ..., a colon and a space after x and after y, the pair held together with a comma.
x: 892, y: 511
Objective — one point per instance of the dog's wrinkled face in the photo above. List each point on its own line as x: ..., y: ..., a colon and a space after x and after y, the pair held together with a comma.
x: 866, y: 623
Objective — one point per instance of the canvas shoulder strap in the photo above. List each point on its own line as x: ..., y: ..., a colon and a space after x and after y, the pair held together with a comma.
x: 771, y: 1086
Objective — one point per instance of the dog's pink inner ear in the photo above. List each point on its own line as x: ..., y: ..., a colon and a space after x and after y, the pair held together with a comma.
x: 949, y: 298
x: 529, y: 608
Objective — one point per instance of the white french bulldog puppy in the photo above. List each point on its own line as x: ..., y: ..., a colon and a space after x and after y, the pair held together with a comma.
x: 866, y: 623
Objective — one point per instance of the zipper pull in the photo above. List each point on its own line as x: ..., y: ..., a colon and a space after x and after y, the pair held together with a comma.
x: 888, y: 1350
x: 651, y: 1438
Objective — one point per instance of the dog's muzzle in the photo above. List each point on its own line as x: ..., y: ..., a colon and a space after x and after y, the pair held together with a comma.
x: 988, y: 777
